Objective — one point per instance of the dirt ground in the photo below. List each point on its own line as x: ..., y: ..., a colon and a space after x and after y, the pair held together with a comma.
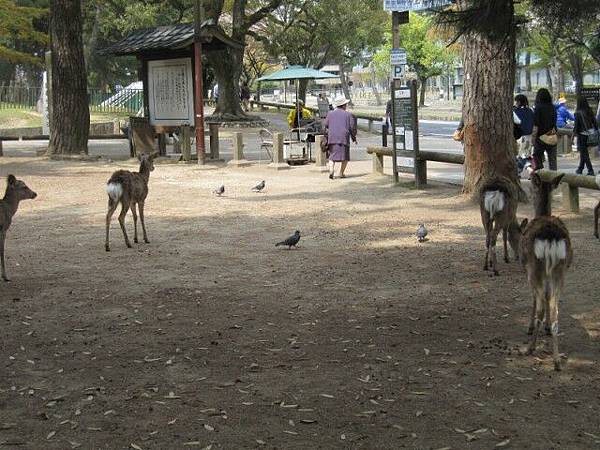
x: 210, y: 337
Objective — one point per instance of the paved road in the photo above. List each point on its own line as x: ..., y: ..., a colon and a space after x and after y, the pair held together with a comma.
x: 435, y: 135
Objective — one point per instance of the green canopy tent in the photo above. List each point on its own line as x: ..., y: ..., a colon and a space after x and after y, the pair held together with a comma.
x: 297, y: 73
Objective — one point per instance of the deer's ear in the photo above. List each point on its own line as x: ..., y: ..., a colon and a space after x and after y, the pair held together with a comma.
x: 557, y: 181
x: 11, y: 179
x: 535, y: 179
x: 524, y: 224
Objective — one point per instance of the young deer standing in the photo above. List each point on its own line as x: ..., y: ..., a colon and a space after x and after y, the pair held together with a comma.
x: 16, y: 190
x: 498, y: 207
x: 546, y: 253
x: 129, y: 189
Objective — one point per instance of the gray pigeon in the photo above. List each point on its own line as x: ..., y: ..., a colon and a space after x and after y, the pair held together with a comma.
x: 421, y: 233
x: 220, y: 191
x: 259, y: 187
x: 290, y: 242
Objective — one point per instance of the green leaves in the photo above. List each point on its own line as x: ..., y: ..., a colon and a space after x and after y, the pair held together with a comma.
x: 17, y: 29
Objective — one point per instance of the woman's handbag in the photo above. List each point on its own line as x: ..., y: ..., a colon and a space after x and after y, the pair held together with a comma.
x: 550, y: 138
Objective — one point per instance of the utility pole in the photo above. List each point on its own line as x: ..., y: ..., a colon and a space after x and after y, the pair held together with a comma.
x: 198, y: 88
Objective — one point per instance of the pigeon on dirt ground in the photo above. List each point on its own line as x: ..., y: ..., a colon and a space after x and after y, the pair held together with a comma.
x: 220, y: 191
x: 290, y: 242
x: 421, y: 233
x: 259, y: 187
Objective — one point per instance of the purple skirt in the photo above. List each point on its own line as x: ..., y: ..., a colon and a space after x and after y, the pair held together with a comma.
x: 339, y: 152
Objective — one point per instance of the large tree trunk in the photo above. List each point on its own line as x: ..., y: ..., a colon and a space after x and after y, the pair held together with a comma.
x: 576, y: 69
x: 528, y: 71
x: 423, y: 90
x: 227, y: 65
x: 70, y: 111
x: 345, y: 87
x: 549, y: 79
x: 374, y: 85
x: 489, y: 67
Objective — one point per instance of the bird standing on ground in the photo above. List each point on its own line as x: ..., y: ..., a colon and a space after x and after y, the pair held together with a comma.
x: 290, y: 242
x: 220, y: 191
x: 259, y: 187
x: 421, y: 233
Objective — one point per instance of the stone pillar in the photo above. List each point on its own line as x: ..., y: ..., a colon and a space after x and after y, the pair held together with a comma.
x: 570, y: 197
x: 278, y: 162
x: 320, y: 157
x: 377, y: 163
x: 116, y: 126
x: 238, y: 151
x: 186, y: 143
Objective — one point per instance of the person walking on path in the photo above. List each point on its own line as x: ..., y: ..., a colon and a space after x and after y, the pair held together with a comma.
x: 525, y: 114
x: 544, y: 130
x: 585, y: 123
x: 341, y: 127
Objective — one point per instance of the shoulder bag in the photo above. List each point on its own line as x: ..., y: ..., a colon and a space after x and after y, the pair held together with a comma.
x: 550, y: 138
x: 592, y: 134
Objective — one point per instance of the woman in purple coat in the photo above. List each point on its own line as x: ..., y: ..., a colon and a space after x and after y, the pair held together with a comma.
x: 341, y: 127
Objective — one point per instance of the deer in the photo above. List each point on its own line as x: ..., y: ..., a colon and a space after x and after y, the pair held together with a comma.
x: 546, y: 254
x: 16, y: 190
x: 498, y: 206
x: 129, y: 189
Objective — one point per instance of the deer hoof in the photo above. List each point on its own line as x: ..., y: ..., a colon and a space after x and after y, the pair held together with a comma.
x: 135, y: 240
x: 506, y: 260
x: 146, y: 241
x: 557, y: 366
x: 548, y: 330
x: 530, y: 330
x: 5, y: 278
x: 129, y: 245
x: 107, y: 248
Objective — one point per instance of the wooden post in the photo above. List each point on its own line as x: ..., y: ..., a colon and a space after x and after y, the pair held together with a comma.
x: 1, y: 151
x: 186, y: 143
x: 214, y: 141
x: 320, y: 157
x: 278, y: 162
x: 570, y: 197
x: 238, y: 151
x: 162, y: 144
x: 198, y: 89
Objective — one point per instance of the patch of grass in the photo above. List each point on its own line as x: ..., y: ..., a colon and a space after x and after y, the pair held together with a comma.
x: 19, y: 118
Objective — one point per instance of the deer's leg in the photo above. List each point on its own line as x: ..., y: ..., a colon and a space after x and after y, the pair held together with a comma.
x: 141, y: 207
x: 505, y: 239
x: 538, y: 294
x: 134, y: 214
x: 2, y: 239
x: 596, y: 217
x: 531, y: 328
x: 112, y: 206
x: 122, y: 215
x: 493, y: 239
x: 552, y: 306
x: 487, y: 226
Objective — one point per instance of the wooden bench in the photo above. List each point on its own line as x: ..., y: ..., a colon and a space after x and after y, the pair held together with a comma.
x: 379, y: 152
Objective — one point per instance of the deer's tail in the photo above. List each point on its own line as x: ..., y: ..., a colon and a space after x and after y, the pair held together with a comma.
x: 493, y: 202
x: 114, y: 191
x: 551, y: 252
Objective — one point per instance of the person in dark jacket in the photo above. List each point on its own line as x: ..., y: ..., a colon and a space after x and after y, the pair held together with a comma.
x: 544, y: 122
x: 584, y: 121
x: 525, y: 114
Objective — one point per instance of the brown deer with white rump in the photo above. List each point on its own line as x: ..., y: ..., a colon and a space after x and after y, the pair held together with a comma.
x: 546, y: 254
x: 129, y: 189
x: 16, y: 190
x: 498, y: 207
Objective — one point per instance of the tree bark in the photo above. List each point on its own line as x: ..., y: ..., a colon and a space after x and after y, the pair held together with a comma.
x: 489, y: 66
x: 423, y: 90
x: 70, y: 111
x: 528, y: 71
x: 344, y: 82
x: 549, y: 79
x: 227, y: 65
x: 576, y: 69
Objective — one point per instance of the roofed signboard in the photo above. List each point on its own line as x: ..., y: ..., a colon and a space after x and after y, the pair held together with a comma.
x: 414, y: 5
